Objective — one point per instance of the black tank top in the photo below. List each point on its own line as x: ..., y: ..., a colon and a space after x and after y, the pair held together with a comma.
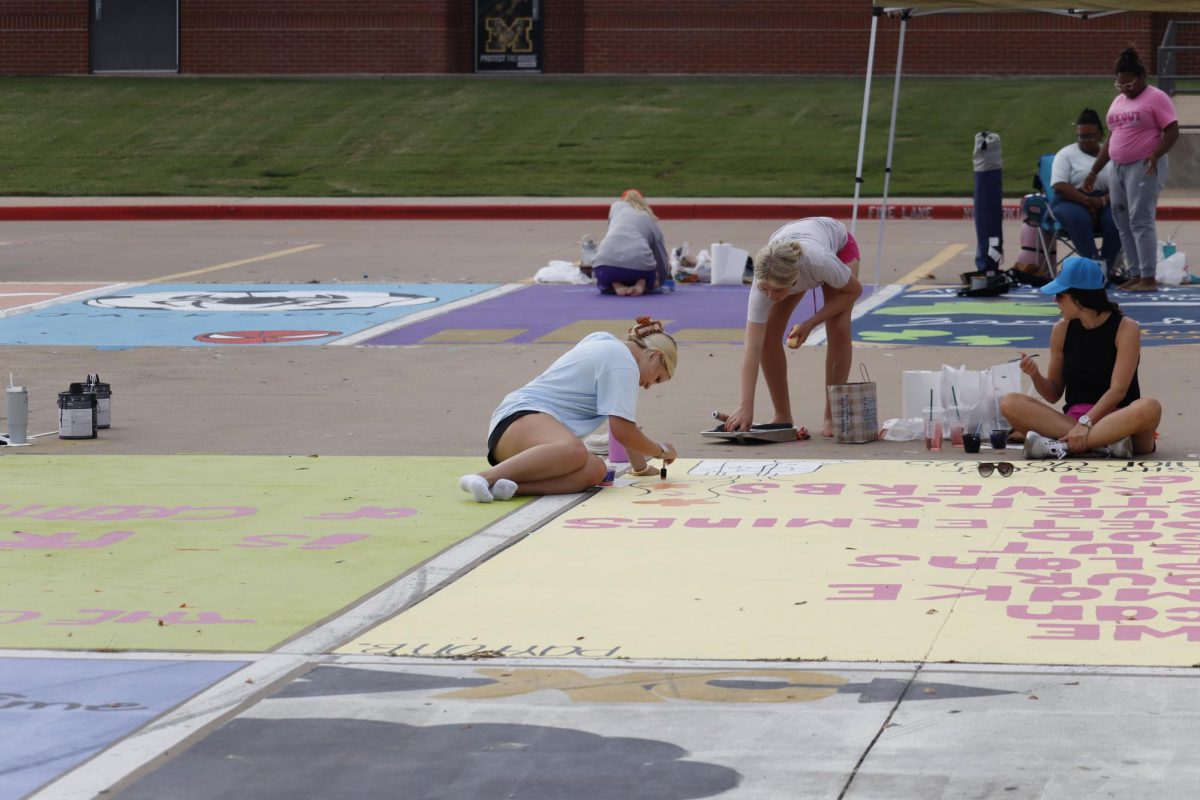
x: 1088, y: 360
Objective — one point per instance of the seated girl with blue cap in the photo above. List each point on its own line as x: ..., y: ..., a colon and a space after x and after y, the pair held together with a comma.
x: 1094, y: 355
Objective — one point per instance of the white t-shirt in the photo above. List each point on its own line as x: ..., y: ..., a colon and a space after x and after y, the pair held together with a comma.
x: 821, y: 238
x: 592, y: 381
x: 1071, y: 165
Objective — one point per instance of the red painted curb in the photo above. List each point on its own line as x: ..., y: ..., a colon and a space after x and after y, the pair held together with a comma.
x: 492, y: 211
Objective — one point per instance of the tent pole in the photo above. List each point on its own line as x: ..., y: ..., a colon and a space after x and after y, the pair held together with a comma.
x: 887, y: 172
x: 876, y: 11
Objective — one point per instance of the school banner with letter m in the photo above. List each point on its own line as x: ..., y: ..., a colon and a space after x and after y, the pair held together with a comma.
x: 508, y: 35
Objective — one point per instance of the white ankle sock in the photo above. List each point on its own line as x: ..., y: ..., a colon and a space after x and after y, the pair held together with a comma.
x: 503, y: 489
x: 476, y: 486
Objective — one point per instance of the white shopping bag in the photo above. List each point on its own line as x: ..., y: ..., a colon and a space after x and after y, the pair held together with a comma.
x: 966, y: 396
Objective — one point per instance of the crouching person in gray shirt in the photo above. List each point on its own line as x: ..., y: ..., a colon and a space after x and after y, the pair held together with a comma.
x: 632, y: 258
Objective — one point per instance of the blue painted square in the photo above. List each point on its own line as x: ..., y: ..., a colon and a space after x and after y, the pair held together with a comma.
x: 58, y: 712
x: 1023, y: 318
x: 183, y: 315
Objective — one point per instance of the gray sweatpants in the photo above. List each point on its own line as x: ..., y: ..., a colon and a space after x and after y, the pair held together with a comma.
x: 1134, y: 196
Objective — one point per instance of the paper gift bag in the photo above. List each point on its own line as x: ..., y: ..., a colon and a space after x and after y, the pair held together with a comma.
x: 855, y: 411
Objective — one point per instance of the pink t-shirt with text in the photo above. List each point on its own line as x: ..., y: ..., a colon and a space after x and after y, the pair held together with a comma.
x: 1137, y: 124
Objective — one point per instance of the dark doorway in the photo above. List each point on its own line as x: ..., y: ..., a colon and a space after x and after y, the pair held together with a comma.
x: 135, y: 35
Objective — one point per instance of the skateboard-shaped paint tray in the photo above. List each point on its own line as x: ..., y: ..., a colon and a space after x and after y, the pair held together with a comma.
x: 758, y: 434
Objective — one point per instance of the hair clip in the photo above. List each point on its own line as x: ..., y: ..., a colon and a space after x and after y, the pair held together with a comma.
x: 646, y: 326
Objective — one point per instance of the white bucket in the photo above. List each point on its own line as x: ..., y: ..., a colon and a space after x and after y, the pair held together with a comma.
x: 728, y: 264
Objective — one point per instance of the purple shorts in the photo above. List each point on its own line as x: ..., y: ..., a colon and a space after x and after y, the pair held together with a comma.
x: 850, y: 251
x: 606, y: 276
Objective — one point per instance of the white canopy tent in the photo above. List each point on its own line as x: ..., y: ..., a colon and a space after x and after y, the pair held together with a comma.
x: 1089, y: 9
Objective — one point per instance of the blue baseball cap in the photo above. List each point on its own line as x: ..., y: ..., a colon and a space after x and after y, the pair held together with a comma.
x: 1077, y: 273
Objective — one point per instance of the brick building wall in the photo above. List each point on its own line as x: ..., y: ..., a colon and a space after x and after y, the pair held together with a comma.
x: 326, y: 36
x: 43, y: 37
x: 780, y: 37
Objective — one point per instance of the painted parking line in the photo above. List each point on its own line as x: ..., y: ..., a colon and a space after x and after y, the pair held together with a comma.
x: 932, y: 265
x: 240, y: 262
x: 20, y: 298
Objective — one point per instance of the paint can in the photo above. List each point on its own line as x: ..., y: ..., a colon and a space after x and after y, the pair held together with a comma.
x: 103, y: 392
x: 616, y: 450
x: 17, y: 410
x: 76, y: 413
x: 587, y: 251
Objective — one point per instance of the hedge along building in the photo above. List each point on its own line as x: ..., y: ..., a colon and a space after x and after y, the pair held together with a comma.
x: 753, y: 37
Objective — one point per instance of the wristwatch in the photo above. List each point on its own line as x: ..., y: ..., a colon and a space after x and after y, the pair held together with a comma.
x: 1085, y: 421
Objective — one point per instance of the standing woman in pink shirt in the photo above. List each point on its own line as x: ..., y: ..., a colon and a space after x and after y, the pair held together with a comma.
x: 1144, y: 127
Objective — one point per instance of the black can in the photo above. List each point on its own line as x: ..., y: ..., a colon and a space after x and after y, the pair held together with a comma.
x: 103, y: 392
x: 76, y: 413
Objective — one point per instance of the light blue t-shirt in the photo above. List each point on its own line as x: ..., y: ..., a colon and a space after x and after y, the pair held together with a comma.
x: 592, y: 381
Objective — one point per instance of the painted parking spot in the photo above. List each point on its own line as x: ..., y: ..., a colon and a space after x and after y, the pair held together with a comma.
x: 57, y: 713
x: 1021, y: 318
x: 244, y: 552
x: 564, y: 314
x: 180, y: 315
x: 1072, y: 563
x: 477, y: 732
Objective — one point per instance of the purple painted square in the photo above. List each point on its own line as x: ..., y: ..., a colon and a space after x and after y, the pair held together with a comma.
x: 539, y: 309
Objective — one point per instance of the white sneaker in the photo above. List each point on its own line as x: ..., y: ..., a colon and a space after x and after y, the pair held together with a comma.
x: 1038, y: 446
x: 1122, y: 448
x: 597, y: 444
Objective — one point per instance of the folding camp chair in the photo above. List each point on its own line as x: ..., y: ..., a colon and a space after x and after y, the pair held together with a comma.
x: 1038, y: 210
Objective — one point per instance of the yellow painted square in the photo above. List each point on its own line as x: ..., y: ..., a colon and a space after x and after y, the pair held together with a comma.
x: 709, y: 335
x: 473, y: 335
x: 213, y: 552
x: 1089, y: 563
x: 577, y: 330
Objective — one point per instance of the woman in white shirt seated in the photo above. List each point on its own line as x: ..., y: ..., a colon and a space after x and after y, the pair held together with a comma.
x: 1083, y: 214
x: 534, y: 443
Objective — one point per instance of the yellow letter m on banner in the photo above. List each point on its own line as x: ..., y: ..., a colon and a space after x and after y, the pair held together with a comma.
x: 509, y: 37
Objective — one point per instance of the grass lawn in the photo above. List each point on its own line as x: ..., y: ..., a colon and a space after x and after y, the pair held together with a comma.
x: 550, y: 136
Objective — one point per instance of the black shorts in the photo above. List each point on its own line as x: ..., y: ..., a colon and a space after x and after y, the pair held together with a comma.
x: 498, y: 431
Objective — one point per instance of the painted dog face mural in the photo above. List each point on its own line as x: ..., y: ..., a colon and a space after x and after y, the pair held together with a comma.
x: 266, y: 300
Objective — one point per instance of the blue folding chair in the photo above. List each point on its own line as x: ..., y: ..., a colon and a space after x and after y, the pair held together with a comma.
x: 1038, y: 210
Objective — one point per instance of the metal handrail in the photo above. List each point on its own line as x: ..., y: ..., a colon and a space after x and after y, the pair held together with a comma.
x: 1166, y: 57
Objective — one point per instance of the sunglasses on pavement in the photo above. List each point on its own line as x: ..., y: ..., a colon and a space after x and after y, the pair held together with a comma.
x: 987, y: 467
